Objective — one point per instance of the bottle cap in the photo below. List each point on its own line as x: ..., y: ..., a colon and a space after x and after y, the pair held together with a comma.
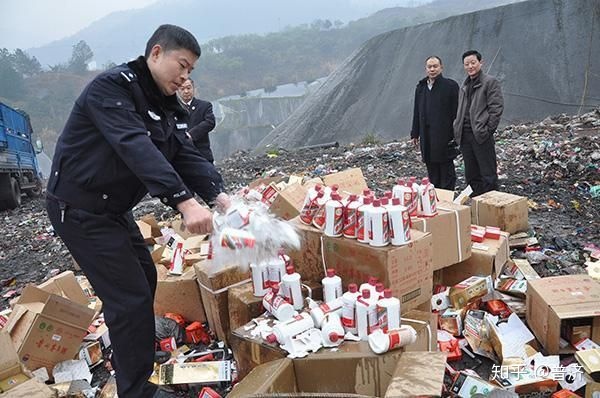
x: 400, y: 181
x: 330, y: 272
x: 334, y: 337
x: 385, y: 201
x: 275, y: 287
x: 272, y: 338
x: 366, y: 192
x: 395, y: 201
x: 388, y: 194
x: 368, y: 200
x: 377, y: 203
x: 318, y: 187
x: 425, y: 181
x: 336, y: 196
x: 353, y: 198
x: 290, y: 269
x: 335, y: 187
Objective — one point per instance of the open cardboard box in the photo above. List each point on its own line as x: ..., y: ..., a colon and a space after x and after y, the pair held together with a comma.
x: 65, y: 284
x: 407, y: 270
x: 553, y: 300
x: 46, y: 328
x: 15, y: 380
x: 179, y: 294
x: 348, y: 181
x: 250, y: 351
x: 214, y: 286
x: 308, y: 260
x: 354, y: 369
x: 451, y: 233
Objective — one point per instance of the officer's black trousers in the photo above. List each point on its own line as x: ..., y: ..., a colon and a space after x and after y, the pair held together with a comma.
x: 111, y: 252
x: 480, y: 163
x: 442, y: 174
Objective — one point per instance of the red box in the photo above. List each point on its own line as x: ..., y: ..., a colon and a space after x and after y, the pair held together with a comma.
x: 168, y: 344
x: 208, y: 392
x: 195, y: 333
x: 492, y: 233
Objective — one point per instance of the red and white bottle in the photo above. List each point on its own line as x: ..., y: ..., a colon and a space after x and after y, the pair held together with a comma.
x: 319, y: 216
x: 379, y: 233
x: 362, y: 221
x: 365, y: 194
x: 388, y: 194
x: 177, y: 261
x: 370, y: 284
x: 332, y: 286
x: 379, y: 290
x: 399, y: 221
x: 381, y: 342
x: 292, y: 287
x: 318, y: 312
x: 260, y: 278
x: 332, y: 330
x: 388, y: 311
x: 427, y: 198
x: 349, y: 308
x: 366, y: 314
x: 283, y: 332
x: 276, y: 305
x: 311, y: 205
x: 351, y: 216
x: 334, y: 216
x: 276, y: 268
x: 398, y: 189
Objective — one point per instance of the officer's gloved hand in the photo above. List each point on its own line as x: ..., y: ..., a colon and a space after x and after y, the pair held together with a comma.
x: 222, y: 202
x: 197, y: 219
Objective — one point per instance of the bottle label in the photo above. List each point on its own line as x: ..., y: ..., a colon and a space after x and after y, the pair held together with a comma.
x: 348, y: 315
x: 394, y: 337
x: 382, y: 318
x: 350, y: 222
x: 360, y: 225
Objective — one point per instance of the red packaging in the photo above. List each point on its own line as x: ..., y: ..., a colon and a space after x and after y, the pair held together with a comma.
x: 452, y: 348
x: 565, y: 394
x: 208, y: 392
x: 195, y: 333
x: 492, y: 233
x: 498, y: 307
x: 477, y: 235
x: 176, y: 317
x: 168, y: 344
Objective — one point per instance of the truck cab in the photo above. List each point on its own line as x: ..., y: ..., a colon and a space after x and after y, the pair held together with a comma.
x: 19, y: 169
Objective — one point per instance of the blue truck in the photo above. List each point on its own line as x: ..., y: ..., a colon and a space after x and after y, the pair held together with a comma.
x: 19, y: 169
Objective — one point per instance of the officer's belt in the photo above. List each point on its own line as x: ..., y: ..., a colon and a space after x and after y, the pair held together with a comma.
x: 92, y: 202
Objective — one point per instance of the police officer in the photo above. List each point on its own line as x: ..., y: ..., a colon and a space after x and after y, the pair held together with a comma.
x: 124, y: 138
x: 201, y: 120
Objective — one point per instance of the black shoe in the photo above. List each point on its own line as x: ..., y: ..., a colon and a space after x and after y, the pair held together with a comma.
x: 163, y: 392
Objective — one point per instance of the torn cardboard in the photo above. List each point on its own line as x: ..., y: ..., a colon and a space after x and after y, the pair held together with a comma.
x: 179, y: 294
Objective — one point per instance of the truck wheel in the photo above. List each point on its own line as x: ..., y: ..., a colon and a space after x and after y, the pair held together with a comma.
x: 34, y: 192
x: 10, y: 193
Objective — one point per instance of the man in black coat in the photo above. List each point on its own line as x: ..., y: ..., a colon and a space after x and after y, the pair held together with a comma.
x: 436, y: 99
x: 201, y: 120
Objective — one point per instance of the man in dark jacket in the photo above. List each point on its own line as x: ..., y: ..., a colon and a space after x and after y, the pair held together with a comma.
x: 436, y: 98
x: 480, y: 106
x: 201, y: 120
x: 123, y: 139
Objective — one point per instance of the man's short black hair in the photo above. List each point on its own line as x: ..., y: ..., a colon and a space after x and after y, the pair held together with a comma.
x: 472, y: 52
x: 434, y: 56
x: 191, y: 81
x: 171, y: 37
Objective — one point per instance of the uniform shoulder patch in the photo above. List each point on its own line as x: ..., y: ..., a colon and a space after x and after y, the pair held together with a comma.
x: 129, y: 76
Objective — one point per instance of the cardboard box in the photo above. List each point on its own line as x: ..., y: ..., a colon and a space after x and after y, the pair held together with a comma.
x: 407, y: 270
x: 250, y: 352
x: 46, y: 328
x: 487, y: 258
x: 214, y: 286
x: 552, y: 300
x: 350, y: 368
x: 349, y: 181
x: 31, y: 388
x: 499, y: 209
x: 12, y: 373
x: 66, y: 285
x: 308, y: 260
x: 289, y: 201
x: 179, y: 294
x: 418, y: 374
x: 243, y: 305
x: 450, y: 232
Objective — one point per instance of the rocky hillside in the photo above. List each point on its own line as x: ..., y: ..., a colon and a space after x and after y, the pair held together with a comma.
x: 543, y: 53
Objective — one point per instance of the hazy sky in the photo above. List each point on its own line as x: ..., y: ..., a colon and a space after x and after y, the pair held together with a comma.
x: 31, y: 23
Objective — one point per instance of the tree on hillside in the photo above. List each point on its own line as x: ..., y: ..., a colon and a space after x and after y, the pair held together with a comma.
x: 11, y: 81
x: 25, y: 64
x: 81, y: 56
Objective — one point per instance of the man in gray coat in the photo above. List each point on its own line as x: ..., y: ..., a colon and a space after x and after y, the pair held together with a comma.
x: 480, y: 106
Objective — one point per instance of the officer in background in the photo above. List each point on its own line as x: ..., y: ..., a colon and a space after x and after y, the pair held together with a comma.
x: 123, y: 139
x: 436, y: 99
x: 201, y: 120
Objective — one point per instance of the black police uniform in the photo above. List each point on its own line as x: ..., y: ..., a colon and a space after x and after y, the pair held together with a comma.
x: 201, y: 122
x: 122, y: 140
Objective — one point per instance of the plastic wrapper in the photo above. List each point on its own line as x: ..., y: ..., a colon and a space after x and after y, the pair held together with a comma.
x: 167, y: 327
x: 249, y: 233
